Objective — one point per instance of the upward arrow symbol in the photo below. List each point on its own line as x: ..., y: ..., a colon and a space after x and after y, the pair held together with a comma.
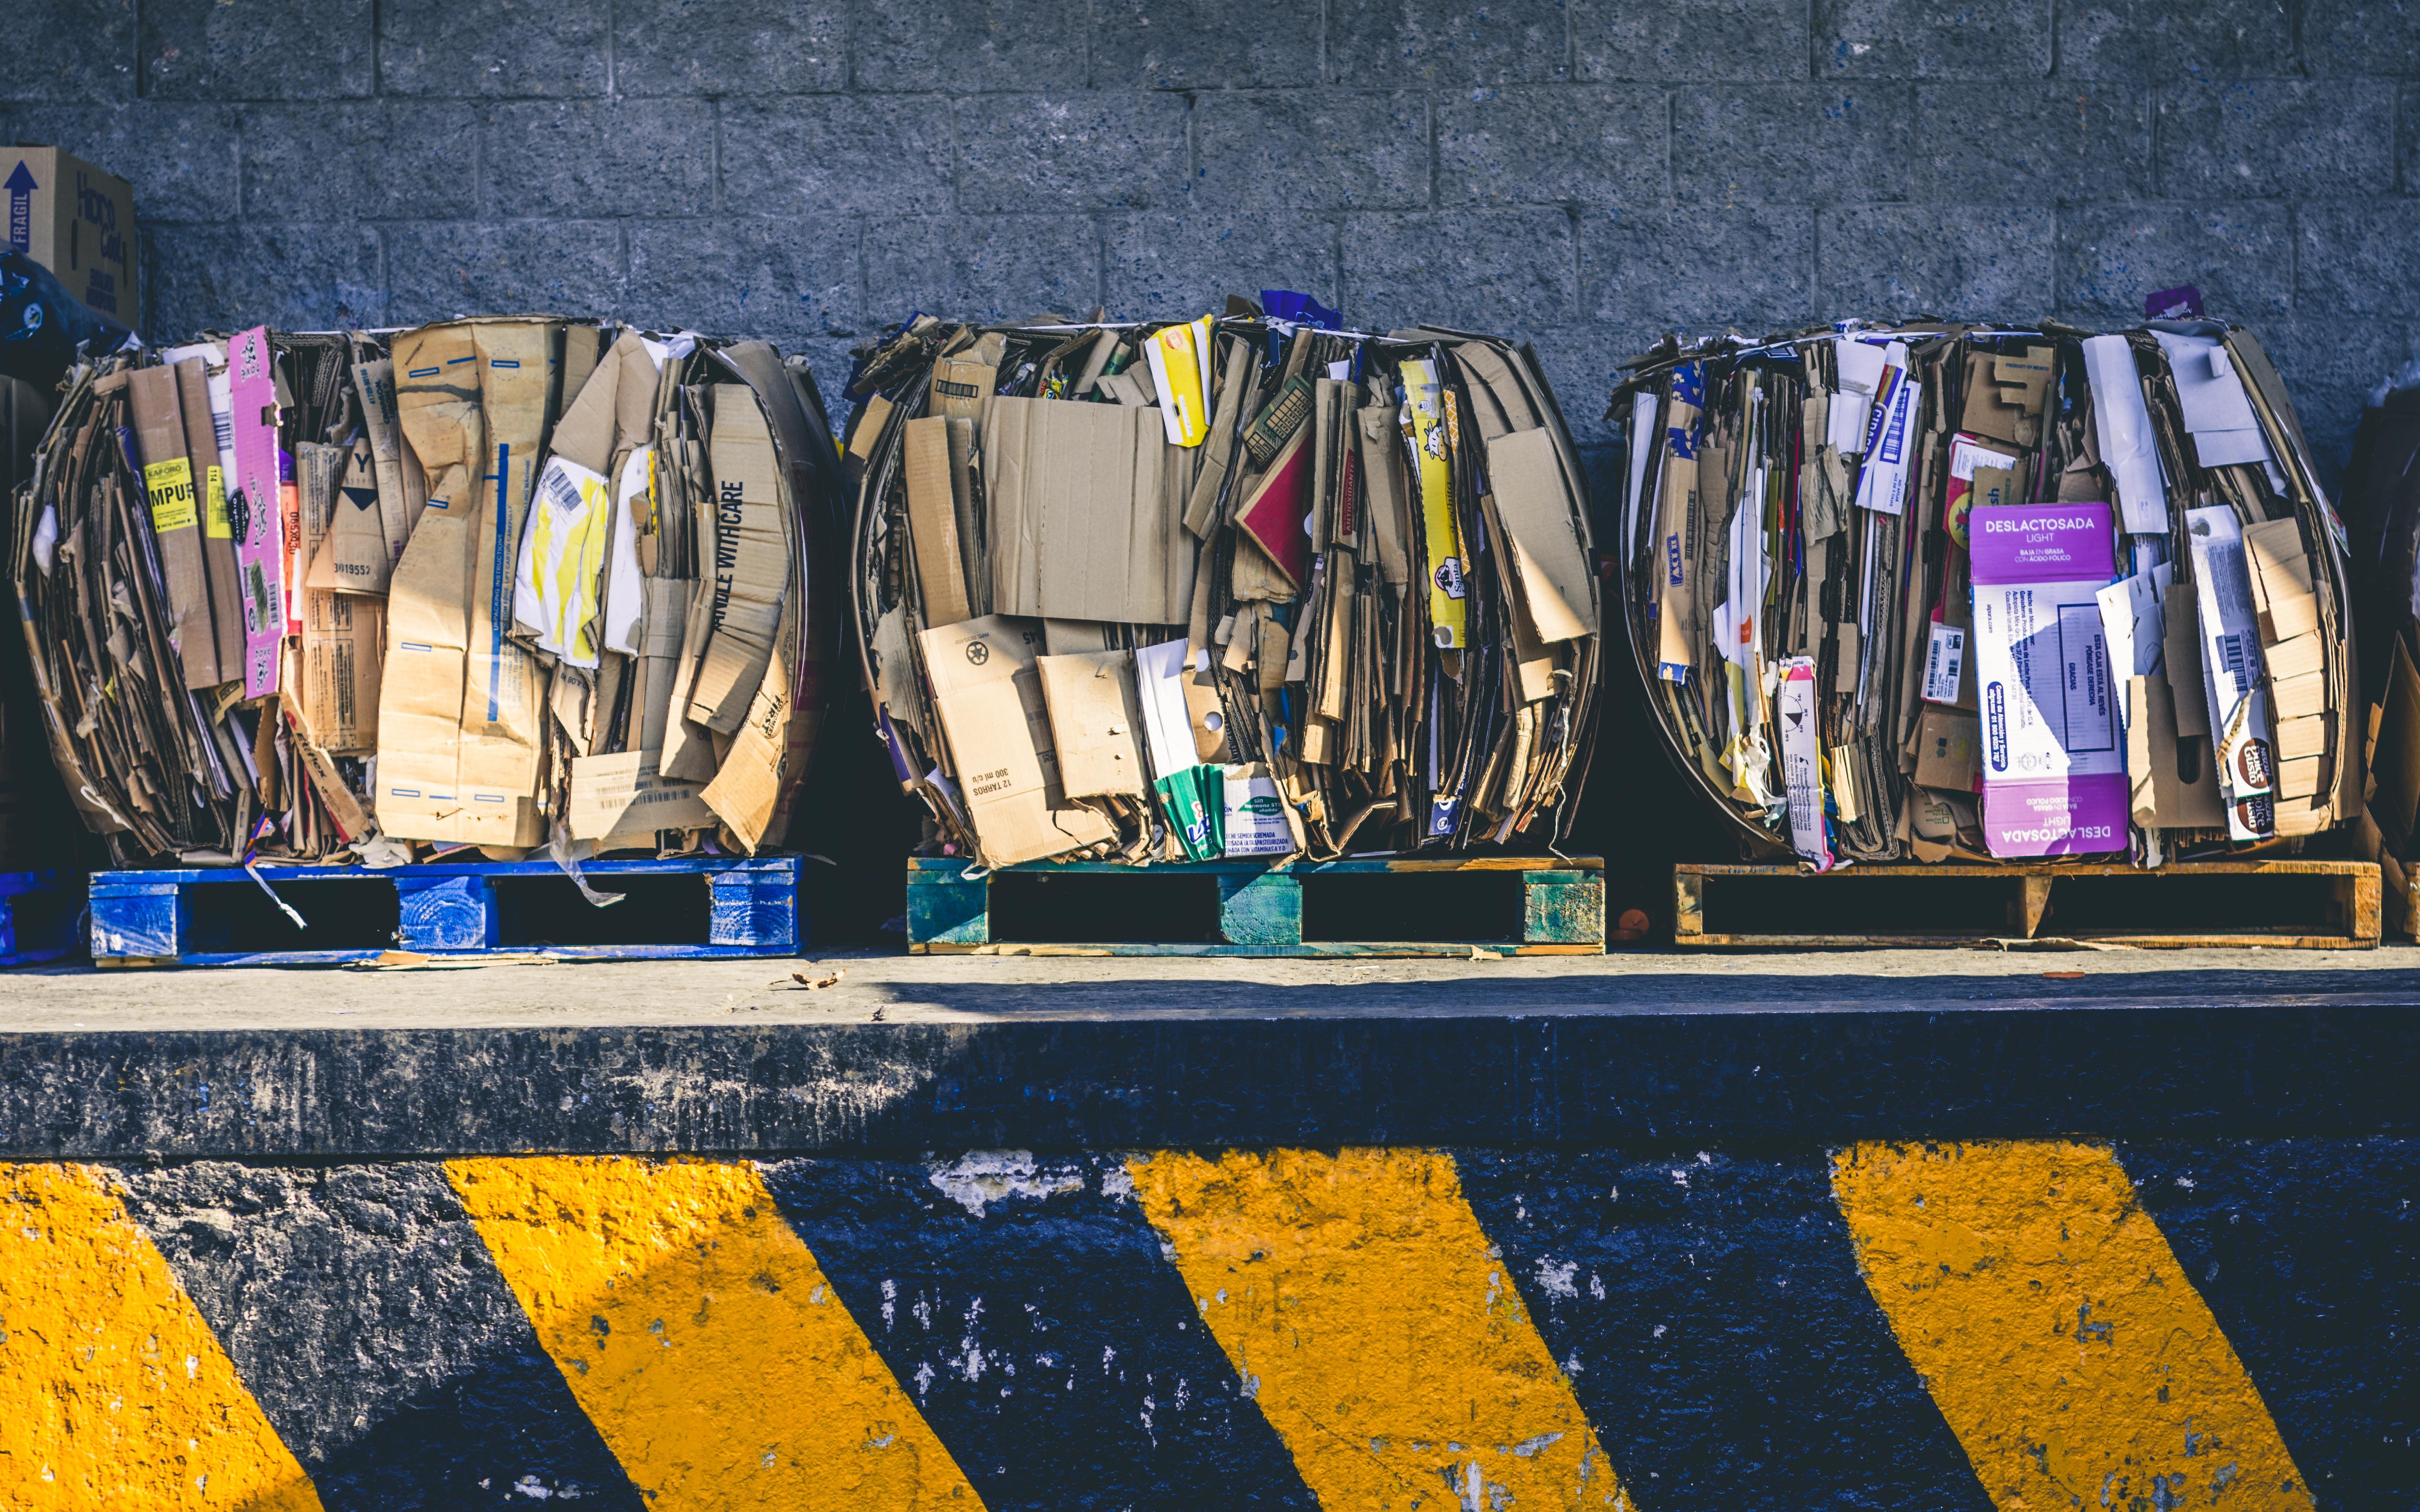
x: 21, y: 186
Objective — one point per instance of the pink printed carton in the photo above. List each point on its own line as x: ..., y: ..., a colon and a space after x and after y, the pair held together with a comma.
x: 2054, y: 761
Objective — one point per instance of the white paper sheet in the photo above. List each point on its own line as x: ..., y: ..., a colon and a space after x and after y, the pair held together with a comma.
x: 1860, y: 365
x: 2124, y: 429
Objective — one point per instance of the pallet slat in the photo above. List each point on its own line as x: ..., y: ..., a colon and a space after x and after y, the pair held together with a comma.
x: 750, y: 907
x: 38, y: 916
x: 2022, y: 900
x: 1259, y: 909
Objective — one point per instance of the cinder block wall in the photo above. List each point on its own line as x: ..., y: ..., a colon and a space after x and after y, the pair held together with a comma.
x: 1587, y: 174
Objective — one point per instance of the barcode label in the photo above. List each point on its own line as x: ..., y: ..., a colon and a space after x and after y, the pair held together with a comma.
x: 1944, y: 658
x: 2231, y: 655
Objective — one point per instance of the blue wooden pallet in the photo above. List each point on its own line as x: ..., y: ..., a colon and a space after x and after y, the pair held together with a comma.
x: 1258, y: 909
x: 38, y: 911
x: 219, y: 916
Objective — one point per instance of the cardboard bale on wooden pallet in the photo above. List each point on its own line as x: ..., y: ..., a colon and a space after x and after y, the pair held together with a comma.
x: 1272, y: 617
x: 2107, y: 555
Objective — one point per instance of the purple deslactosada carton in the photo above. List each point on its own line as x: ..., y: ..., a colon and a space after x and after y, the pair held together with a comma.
x: 2053, y: 764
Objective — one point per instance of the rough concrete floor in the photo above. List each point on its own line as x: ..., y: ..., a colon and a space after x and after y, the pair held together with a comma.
x: 939, y: 988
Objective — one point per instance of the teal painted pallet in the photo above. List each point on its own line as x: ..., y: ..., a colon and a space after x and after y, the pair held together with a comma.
x: 1538, y: 905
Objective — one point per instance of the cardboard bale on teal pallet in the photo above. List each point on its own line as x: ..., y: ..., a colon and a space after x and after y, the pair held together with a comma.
x: 1243, y: 589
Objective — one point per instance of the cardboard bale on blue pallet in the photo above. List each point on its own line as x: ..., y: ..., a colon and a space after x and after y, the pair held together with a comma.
x: 500, y: 583
x: 1247, y: 585
x: 1956, y: 592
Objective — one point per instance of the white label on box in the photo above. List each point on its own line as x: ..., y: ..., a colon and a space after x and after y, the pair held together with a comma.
x: 1944, y: 660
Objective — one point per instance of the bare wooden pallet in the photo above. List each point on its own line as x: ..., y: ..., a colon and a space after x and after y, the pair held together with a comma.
x: 2288, y: 904
x: 1506, y: 904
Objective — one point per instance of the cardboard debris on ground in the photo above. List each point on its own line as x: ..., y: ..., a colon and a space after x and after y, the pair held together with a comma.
x: 1227, y: 586
x: 2121, y: 535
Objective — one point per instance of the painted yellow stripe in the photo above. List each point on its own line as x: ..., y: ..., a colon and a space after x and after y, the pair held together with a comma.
x: 113, y: 1390
x: 2064, y: 1343
x: 701, y: 1338
x: 1364, y: 1307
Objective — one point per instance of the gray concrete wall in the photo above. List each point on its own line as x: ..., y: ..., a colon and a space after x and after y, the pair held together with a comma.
x: 1585, y: 173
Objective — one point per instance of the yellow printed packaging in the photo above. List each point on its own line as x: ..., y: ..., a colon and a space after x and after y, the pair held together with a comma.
x: 1444, y: 561
x: 1180, y: 367
x: 216, y: 524
x: 557, y: 590
x: 170, y: 485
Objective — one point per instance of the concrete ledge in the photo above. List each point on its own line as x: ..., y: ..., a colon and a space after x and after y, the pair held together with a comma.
x: 2297, y: 1066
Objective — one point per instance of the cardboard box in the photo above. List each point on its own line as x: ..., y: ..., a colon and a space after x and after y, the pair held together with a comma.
x: 750, y: 568
x: 174, y: 505
x: 461, y: 709
x: 2231, y: 666
x: 2054, y: 770
x: 344, y: 647
x: 1948, y: 750
x: 933, y: 521
x: 620, y: 801
x: 1550, y: 565
x: 1084, y: 524
x: 1095, y: 722
x: 253, y: 504
x: 78, y: 221
x: 988, y: 692
x: 1252, y: 811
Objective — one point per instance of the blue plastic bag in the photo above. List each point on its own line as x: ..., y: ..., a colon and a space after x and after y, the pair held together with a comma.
x: 41, y: 324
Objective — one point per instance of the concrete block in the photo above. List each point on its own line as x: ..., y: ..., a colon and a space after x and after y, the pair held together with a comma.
x: 970, y: 45
x: 2039, y: 144
x: 1711, y: 40
x: 1196, y: 44
x: 730, y: 47
x: 2342, y: 37
x: 2156, y: 43
x: 778, y: 279
x: 2274, y: 138
x: 1503, y: 271
x: 1795, y: 145
x: 2352, y: 257
x: 1698, y: 271
x: 596, y: 157
x: 378, y: 160
x: 2112, y: 256
x: 205, y: 49
x: 440, y: 269
x: 181, y: 159
x: 841, y: 155
x: 72, y: 49
x: 981, y: 267
x: 448, y: 50
x: 1555, y: 146
x: 1029, y: 153
x: 1973, y: 263
x: 220, y: 276
x: 1312, y: 149
x: 1932, y: 39
x: 1184, y: 265
x: 1388, y: 45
